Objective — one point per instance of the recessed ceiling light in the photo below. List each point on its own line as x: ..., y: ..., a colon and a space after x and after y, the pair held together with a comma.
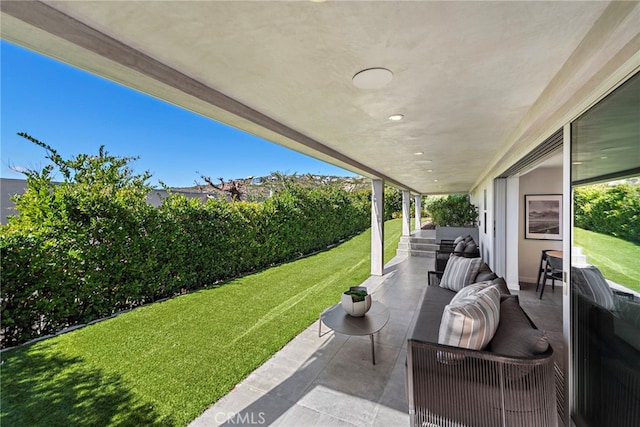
x: 435, y: 180
x: 419, y: 153
x: 429, y: 170
x: 576, y: 163
x: 396, y: 117
x: 372, y: 78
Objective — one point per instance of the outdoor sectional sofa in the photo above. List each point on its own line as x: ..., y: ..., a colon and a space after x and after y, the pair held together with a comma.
x: 461, y: 246
x: 503, y: 378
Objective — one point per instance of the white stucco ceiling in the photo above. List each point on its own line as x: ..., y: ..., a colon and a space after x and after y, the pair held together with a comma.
x: 477, y: 82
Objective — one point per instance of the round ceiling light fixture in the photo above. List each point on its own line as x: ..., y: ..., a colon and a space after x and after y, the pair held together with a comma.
x: 396, y: 117
x: 372, y: 78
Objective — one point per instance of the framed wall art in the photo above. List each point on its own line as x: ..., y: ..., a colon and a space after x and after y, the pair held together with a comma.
x: 543, y: 216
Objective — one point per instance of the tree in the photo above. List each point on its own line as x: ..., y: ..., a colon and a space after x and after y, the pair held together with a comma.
x: 93, y: 187
x: 232, y: 187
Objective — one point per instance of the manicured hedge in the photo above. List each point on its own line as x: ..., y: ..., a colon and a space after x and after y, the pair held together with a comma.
x: 114, y: 259
x: 612, y: 210
x: 91, y: 246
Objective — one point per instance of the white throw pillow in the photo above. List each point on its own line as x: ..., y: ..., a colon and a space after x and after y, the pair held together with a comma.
x: 471, y: 320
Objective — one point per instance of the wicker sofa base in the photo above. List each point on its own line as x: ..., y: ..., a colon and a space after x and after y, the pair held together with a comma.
x: 455, y: 387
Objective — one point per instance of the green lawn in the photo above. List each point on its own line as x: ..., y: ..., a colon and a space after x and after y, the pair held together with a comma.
x: 616, y: 258
x: 165, y: 363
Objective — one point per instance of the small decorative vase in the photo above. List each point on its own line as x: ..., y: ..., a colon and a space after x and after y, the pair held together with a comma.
x: 356, y: 309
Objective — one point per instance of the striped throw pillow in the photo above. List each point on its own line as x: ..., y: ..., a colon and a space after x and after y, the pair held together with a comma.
x: 460, y: 272
x: 471, y: 320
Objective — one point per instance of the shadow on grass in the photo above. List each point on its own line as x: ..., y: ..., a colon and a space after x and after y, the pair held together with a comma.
x: 42, y: 387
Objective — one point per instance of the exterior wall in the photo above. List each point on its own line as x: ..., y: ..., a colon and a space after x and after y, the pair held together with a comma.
x: 450, y: 233
x: 538, y: 181
x: 9, y: 187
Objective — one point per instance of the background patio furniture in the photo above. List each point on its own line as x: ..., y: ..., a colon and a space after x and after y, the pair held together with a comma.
x: 462, y: 246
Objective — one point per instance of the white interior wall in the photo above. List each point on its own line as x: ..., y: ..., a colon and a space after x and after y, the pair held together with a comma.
x: 538, y: 181
x: 485, y: 234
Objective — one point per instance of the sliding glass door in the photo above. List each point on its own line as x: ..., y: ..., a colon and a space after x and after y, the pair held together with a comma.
x: 605, y: 266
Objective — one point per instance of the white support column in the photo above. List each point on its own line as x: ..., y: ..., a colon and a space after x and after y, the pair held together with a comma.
x: 406, y: 216
x: 418, y: 209
x: 567, y: 244
x: 377, y: 227
x: 512, y: 226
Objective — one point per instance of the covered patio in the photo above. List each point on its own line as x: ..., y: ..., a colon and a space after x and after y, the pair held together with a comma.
x: 329, y: 380
x: 470, y: 97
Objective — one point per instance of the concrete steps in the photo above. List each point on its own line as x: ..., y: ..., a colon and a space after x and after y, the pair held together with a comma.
x: 416, y: 245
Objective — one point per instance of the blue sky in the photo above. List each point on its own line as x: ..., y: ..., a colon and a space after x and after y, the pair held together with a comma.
x: 76, y: 112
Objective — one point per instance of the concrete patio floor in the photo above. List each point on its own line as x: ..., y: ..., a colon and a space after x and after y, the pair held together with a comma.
x: 330, y: 380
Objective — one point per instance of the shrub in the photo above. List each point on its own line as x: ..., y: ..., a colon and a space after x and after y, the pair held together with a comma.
x: 392, y: 203
x: 454, y: 210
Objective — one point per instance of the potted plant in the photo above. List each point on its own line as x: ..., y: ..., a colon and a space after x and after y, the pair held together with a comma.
x: 356, y: 301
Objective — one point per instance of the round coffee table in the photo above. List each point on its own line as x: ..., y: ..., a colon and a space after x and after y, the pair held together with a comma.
x: 337, y: 319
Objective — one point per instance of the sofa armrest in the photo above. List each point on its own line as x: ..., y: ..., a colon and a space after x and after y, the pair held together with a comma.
x: 447, y: 242
x: 446, y: 246
x: 623, y: 294
x: 433, y: 277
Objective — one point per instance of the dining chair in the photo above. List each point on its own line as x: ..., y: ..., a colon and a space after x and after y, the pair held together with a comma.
x: 543, y: 266
x: 553, y: 271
